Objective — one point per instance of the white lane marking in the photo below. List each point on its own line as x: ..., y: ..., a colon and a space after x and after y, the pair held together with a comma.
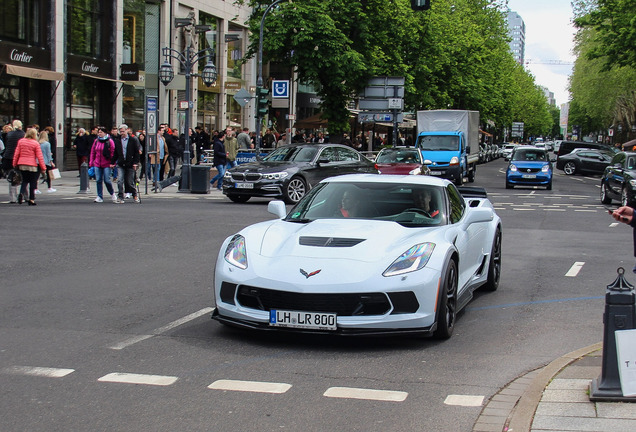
x: 367, y: 394
x: 555, y: 209
x: 250, y: 386
x: 575, y: 269
x: 38, y: 371
x: 588, y: 211
x: 131, y: 378
x: 523, y: 209
x: 612, y: 225
x: 133, y: 340
x: 464, y: 400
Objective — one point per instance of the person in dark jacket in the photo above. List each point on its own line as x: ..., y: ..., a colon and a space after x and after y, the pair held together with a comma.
x: 82, y: 147
x: 220, y: 159
x: 10, y: 144
x: 172, y: 140
x: 125, y: 160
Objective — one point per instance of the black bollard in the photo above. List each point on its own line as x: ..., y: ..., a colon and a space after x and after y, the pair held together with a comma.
x: 619, y: 315
x: 84, y: 185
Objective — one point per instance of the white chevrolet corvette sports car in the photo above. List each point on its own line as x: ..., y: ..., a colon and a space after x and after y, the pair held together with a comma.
x: 362, y: 254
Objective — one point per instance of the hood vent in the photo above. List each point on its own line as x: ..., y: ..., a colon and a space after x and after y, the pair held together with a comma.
x: 329, y: 241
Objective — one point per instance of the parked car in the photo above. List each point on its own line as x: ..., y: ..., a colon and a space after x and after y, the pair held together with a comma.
x: 318, y: 268
x: 507, y: 150
x: 290, y: 171
x: 619, y: 180
x: 399, y: 160
x: 567, y: 146
x: 529, y: 166
x: 584, y: 161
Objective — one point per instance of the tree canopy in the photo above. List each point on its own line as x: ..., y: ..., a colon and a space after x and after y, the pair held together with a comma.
x: 454, y: 55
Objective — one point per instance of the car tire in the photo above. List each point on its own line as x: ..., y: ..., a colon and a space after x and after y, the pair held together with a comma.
x: 569, y: 168
x: 509, y: 186
x: 549, y: 186
x: 447, y: 310
x: 239, y: 198
x: 494, y: 265
x: 295, y: 190
x: 605, y: 198
x: 471, y: 175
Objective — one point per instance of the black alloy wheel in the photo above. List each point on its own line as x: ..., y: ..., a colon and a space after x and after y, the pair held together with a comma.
x: 447, y: 311
x: 494, y: 267
x: 569, y: 168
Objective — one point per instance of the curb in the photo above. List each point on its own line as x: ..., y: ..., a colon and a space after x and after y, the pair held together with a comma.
x: 522, y: 396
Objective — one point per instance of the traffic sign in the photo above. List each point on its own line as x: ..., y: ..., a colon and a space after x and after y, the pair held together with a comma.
x: 151, y: 115
x: 242, y: 97
x: 280, y: 89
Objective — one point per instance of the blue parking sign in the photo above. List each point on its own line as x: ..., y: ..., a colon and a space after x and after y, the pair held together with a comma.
x: 280, y: 89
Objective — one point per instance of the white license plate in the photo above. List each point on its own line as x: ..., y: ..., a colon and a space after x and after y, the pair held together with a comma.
x: 245, y: 185
x: 303, y: 320
x: 529, y: 176
x: 436, y: 173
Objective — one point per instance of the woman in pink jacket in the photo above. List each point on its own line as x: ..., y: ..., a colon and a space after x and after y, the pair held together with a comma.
x: 27, y: 157
x: 101, y: 155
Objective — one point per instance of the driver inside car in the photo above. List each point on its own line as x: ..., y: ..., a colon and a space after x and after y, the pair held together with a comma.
x: 423, y: 198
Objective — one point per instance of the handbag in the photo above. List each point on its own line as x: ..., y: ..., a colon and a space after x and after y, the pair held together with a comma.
x: 55, y: 173
x: 91, y: 173
x: 14, y: 177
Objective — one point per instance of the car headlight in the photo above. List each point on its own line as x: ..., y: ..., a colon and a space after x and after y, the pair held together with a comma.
x: 545, y: 168
x: 413, y: 259
x: 415, y: 171
x: 632, y: 183
x: 454, y: 161
x: 513, y: 168
x: 227, y: 175
x: 235, y: 252
x: 275, y: 176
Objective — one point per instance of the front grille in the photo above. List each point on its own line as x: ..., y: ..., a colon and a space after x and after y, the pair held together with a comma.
x: 529, y: 170
x: 342, y: 304
x: 239, y: 176
x: 328, y: 241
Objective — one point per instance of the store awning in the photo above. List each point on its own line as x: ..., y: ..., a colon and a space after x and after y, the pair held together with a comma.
x: 42, y: 74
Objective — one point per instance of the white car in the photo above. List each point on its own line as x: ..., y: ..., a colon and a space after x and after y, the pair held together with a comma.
x: 362, y: 254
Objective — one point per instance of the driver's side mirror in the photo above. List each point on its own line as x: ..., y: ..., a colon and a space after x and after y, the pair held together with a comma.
x: 323, y: 161
x: 277, y: 208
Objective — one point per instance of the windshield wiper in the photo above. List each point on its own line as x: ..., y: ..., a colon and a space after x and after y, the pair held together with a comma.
x: 299, y: 220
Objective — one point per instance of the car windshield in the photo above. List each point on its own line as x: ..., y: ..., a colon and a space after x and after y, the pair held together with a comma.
x: 438, y: 142
x: 292, y: 153
x: 529, y: 155
x: 408, y: 205
x: 398, y: 156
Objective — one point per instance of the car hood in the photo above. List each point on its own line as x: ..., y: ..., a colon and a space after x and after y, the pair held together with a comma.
x: 397, y: 168
x: 378, y: 240
x: 268, y: 167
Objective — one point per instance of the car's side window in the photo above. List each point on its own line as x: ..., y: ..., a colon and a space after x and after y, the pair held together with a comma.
x: 346, y: 154
x: 330, y: 154
x: 457, y: 204
x: 619, y: 158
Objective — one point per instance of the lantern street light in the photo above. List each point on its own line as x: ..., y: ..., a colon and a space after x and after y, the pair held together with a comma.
x: 188, y: 59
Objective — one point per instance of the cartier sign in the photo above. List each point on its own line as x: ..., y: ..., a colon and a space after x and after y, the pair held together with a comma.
x: 87, y: 66
x: 22, y: 55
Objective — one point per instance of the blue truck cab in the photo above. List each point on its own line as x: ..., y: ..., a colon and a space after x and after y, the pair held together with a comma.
x: 450, y: 140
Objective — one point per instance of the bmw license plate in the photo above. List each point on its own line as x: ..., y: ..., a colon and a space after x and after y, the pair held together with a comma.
x: 529, y: 176
x: 244, y: 185
x: 303, y: 320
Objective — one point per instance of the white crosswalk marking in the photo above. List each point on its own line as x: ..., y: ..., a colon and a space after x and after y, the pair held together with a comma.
x: 575, y: 269
x: 367, y: 394
x: 250, y: 386
x: 131, y: 378
x: 464, y: 400
x: 38, y: 371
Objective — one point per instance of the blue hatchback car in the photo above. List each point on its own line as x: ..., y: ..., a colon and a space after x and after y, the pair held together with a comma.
x: 529, y: 166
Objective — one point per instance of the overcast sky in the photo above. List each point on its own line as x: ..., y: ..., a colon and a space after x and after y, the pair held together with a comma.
x: 549, y: 36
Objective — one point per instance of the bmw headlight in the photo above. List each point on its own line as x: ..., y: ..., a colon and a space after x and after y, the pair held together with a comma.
x: 413, y: 259
x: 275, y: 176
x: 227, y: 175
x: 235, y: 253
x: 632, y: 183
x: 545, y: 168
x: 513, y: 168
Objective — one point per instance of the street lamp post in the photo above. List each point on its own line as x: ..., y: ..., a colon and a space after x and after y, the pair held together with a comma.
x: 188, y: 59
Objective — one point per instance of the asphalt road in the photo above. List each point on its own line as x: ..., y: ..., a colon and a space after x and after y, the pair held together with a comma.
x: 94, y: 292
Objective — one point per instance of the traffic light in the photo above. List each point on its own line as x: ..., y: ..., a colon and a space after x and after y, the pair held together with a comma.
x: 420, y: 4
x: 262, y: 103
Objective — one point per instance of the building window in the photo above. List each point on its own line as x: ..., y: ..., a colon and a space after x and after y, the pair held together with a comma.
x: 88, y: 22
x: 134, y: 31
x: 24, y: 21
x: 208, y: 39
x: 235, y: 54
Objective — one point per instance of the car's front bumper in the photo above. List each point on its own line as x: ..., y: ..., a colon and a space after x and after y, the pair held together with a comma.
x: 534, y: 179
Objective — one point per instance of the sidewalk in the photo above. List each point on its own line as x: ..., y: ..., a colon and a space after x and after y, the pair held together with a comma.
x: 556, y: 398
